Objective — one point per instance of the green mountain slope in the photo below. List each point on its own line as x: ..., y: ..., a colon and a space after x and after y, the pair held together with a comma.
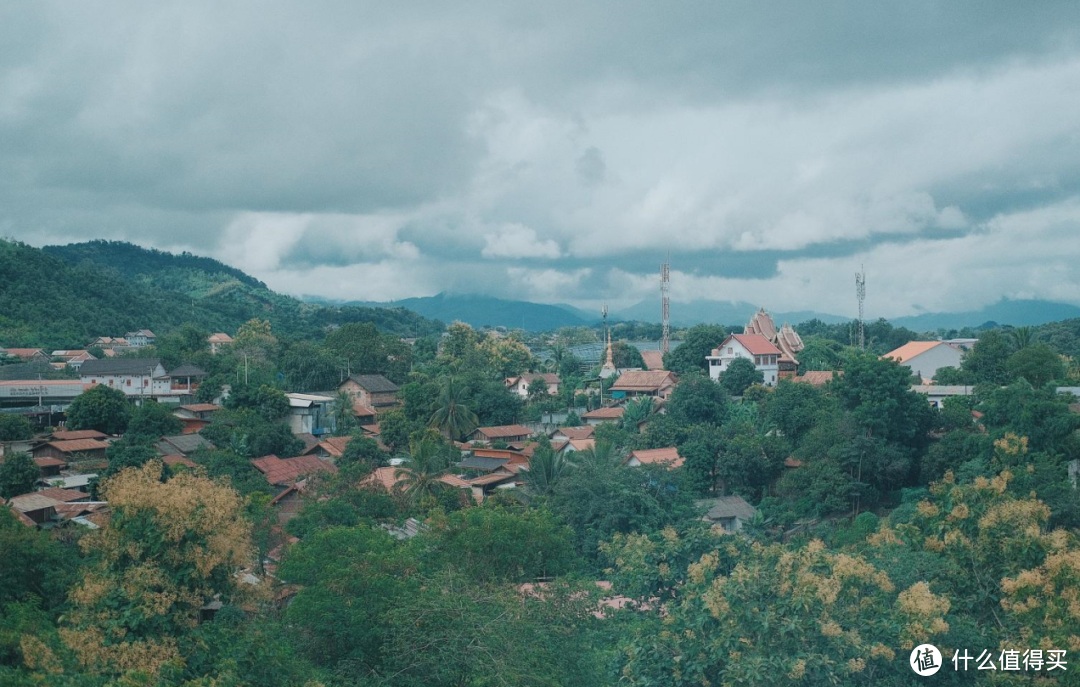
x: 62, y: 296
x: 488, y: 311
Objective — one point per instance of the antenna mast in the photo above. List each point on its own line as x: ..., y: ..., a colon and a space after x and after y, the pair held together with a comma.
x: 665, y: 304
x: 860, y: 294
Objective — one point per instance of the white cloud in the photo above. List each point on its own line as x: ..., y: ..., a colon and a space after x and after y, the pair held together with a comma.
x: 518, y: 241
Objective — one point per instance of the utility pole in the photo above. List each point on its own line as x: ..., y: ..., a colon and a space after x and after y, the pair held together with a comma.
x: 860, y: 294
x: 245, y: 369
x: 665, y: 304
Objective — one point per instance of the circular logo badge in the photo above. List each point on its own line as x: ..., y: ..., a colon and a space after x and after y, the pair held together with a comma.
x: 925, y: 659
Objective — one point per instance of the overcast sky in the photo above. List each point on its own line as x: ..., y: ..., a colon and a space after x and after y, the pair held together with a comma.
x: 557, y: 151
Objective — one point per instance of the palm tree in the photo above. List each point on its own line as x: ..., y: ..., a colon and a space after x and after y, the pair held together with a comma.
x: 546, y: 468
x: 558, y: 355
x: 637, y: 411
x: 342, y: 414
x: 419, y: 474
x: 452, y: 417
x: 1022, y: 337
x: 601, y: 454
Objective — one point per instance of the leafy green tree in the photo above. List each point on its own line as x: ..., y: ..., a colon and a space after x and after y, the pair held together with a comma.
x: 100, y: 407
x: 602, y: 455
x: 637, y: 411
x: 537, y: 390
x: 498, y: 544
x: 1037, y: 363
x: 626, y: 356
x: 795, y: 408
x: 154, y: 419
x: 698, y: 399
x: 236, y: 469
x: 18, y: 475
x: 987, y: 360
x: 249, y: 434
x: 35, y: 566
x: 308, y: 368
x: 452, y: 415
x: 366, y: 351
x: 14, y: 427
x: 698, y: 342
x: 270, y: 403
x: 362, y: 450
x: 877, y: 392
x: 349, y: 577
x: 395, y: 429
x: 1022, y: 337
x: 740, y: 374
x: 952, y: 376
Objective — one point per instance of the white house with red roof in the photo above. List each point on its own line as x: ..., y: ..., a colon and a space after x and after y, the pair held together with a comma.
x: 755, y: 348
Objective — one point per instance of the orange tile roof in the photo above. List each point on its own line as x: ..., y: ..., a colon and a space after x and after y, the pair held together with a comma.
x: 912, y: 349
x: 607, y: 413
x: 335, y: 446
x: 288, y: 470
x: 385, y: 477
x: 816, y: 377
x: 454, y: 481
x: 644, y: 380
x: 654, y: 360
x: 201, y: 407
x: 502, y: 431
x: 655, y: 456
x: 583, y: 432
x: 44, y: 462
x: 580, y: 444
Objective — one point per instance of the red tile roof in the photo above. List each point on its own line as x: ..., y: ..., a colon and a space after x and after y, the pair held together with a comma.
x: 286, y: 471
x: 63, y: 495
x: 201, y: 407
x: 385, y: 477
x: 69, y: 435
x: 44, y: 462
x: 179, y: 460
x: 655, y: 456
x: 78, y: 445
x: 503, y: 431
x: 756, y: 344
x: 335, y: 446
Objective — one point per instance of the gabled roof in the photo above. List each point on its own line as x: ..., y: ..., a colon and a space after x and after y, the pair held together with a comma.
x: 654, y: 360
x: 761, y: 323
x: 219, y: 337
x: 912, y: 349
x: 385, y: 477
x: 33, y: 501
x: 63, y: 495
x: 142, y: 332
x: 188, y: 371
x: 605, y: 413
x: 503, y: 431
x: 334, y: 446
x: 755, y: 344
x: 374, y: 383
x: 78, y: 445
x: 482, y: 463
x: 728, y: 507
x: 654, y: 456
x: 583, y: 432
x: 24, y: 352
x: 182, y: 444
x: 644, y: 380
x: 816, y: 377
x: 528, y: 377
x: 284, y: 471
x: 119, y: 366
x: 68, y: 435
x: 201, y: 407
x: 579, y: 444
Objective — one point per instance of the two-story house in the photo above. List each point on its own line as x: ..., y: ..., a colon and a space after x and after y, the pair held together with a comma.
x: 520, y: 385
x: 755, y: 348
x: 372, y: 391
x: 143, y: 337
x: 133, y: 376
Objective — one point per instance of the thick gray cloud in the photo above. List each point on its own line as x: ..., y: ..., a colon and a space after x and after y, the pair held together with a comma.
x: 557, y: 151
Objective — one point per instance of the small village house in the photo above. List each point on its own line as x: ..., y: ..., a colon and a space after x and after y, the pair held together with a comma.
x: 520, y: 384
x: 310, y: 414
x: 285, y: 472
x: 133, y: 376
x: 605, y: 414
x: 925, y: 358
x: 217, y: 340
x: 668, y: 457
x: 141, y: 338
x: 71, y: 449
x: 658, y: 383
x: 195, y: 416
x: 29, y: 355
x: 729, y: 512
x: 504, y: 433
x: 937, y: 394
x: 373, y: 391
x: 566, y: 433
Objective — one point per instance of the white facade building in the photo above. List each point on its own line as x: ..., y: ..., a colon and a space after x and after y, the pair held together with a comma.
x: 755, y: 348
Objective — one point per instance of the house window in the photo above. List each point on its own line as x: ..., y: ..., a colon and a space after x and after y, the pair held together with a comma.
x: 729, y: 350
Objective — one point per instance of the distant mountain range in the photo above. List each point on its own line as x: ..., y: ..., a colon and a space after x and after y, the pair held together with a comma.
x: 1018, y: 313
x: 487, y: 311
x: 718, y: 312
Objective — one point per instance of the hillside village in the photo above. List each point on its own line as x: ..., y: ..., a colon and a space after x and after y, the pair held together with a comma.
x: 610, y: 496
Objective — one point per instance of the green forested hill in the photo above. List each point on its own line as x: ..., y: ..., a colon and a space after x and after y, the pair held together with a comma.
x: 62, y: 296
